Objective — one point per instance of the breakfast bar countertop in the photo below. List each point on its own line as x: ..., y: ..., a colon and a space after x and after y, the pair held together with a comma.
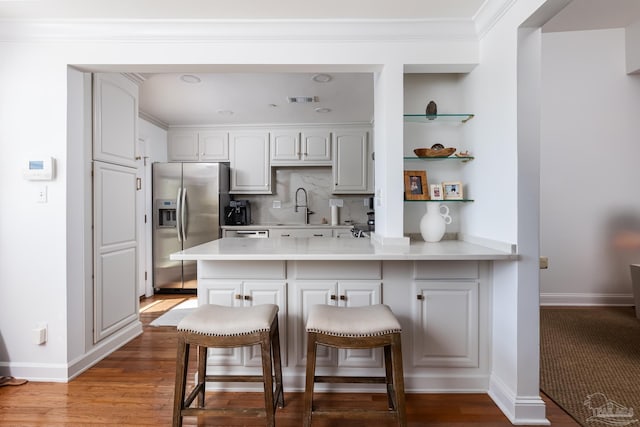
x: 336, y: 249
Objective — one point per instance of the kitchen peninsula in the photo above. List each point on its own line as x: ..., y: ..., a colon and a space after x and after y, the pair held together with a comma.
x: 441, y: 293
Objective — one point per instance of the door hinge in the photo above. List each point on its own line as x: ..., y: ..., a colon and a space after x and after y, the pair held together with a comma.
x: 145, y: 275
x: 145, y: 218
x: 138, y: 184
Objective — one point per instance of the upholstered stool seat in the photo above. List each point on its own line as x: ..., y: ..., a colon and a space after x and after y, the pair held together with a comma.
x: 356, y: 327
x: 220, y: 326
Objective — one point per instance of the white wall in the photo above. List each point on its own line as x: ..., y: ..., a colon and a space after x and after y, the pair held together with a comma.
x: 632, y: 47
x: 589, y: 168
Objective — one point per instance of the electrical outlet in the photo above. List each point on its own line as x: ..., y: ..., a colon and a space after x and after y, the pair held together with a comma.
x: 40, y: 334
x: 544, y: 262
x: 277, y: 204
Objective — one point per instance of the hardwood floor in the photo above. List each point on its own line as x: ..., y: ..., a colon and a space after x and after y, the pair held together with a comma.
x: 134, y: 387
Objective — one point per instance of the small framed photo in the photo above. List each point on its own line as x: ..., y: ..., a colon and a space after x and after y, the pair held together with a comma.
x: 452, y: 190
x: 435, y: 192
x: 415, y: 185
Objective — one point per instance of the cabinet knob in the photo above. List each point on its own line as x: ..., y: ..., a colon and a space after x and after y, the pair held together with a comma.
x: 343, y: 297
x: 247, y: 297
x: 420, y: 297
x: 285, y: 235
x: 318, y: 235
x: 238, y: 296
x: 332, y: 297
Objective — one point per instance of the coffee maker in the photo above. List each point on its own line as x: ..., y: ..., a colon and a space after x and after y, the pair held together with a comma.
x: 238, y: 213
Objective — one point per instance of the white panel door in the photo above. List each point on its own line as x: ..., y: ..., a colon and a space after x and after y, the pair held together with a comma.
x: 115, y: 119
x: 228, y: 293
x: 350, y: 162
x: 445, y: 324
x: 182, y: 146
x: 213, y: 146
x: 257, y: 292
x: 304, y: 294
x: 357, y: 293
x: 115, y: 248
x: 316, y: 147
x: 250, y: 164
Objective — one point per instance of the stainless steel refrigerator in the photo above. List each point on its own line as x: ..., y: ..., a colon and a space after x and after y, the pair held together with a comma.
x: 188, y: 203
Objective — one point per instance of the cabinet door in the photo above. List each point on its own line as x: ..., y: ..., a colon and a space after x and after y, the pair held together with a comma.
x: 302, y: 295
x: 250, y: 166
x: 213, y: 146
x: 182, y: 146
x: 316, y: 147
x: 256, y: 292
x: 285, y: 147
x: 115, y: 248
x: 115, y: 119
x: 228, y: 293
x: 445, y: 324
x: 351, y: 162
x: 358, y: 293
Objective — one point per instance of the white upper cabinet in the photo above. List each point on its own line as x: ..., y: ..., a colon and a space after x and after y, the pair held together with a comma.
x: 115, y: 124
x: 250, y: 165
x: 198, y: 146
x: 306, y: 148
x: 352, y: 162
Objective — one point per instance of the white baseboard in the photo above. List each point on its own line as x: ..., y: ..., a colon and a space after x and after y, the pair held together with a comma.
x: 64, y: 372
x: 586, y: 299
x: 520, y: 410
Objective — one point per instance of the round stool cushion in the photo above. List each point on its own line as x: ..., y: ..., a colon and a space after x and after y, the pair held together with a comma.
x: 220, y: 320
x: 352, y: 321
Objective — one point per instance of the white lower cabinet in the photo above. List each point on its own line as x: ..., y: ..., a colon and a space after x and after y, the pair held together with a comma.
x: 300, y: 232
x: 245, y: 293
x: 445, y: 324
x: 343, y: 293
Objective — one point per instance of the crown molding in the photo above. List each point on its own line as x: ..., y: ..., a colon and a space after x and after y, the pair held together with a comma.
x: 145, y: 30
x: 489, y: 14
x: 153, y: 120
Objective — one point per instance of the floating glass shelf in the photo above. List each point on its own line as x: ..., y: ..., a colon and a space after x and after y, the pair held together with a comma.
x: 462, y: 159
x: 421, y: 118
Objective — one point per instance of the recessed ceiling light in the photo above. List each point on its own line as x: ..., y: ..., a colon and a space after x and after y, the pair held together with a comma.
x: 190, y: 78
x: 322, y: 110
x: 321, y: 78
x: 225, y: 112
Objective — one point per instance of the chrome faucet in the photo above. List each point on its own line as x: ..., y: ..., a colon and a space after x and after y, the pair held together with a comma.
x: 307, y: 212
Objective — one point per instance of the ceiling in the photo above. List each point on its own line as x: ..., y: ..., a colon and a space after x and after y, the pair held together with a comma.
x: 260, y: 97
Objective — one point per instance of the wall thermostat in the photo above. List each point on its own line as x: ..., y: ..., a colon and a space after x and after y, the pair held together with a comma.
x: 40, y: 169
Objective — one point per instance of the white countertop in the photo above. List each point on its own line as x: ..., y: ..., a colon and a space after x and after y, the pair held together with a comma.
x: 280, y: 225
x: 335, y: 249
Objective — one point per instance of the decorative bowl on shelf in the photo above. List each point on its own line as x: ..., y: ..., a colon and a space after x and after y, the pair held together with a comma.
x: 431, y: 152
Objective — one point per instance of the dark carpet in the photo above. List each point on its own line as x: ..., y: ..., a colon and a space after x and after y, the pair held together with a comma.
x: 590, y: 363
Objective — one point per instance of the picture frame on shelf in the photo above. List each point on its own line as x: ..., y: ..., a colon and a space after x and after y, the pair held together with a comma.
x: 452, y: 190
x: 435, y: 192
x: 415, y: 185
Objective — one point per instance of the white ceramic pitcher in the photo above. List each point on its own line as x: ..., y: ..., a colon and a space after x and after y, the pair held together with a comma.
x: 434, y: 222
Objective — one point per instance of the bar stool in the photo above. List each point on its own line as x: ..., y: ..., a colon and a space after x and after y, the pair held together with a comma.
x: 356, y: 327
x: 220, y: 326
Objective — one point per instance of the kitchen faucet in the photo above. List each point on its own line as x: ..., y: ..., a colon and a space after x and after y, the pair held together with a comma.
x: 307, y: 212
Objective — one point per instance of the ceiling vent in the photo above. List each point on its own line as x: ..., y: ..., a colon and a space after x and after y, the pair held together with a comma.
x: 302, y: 99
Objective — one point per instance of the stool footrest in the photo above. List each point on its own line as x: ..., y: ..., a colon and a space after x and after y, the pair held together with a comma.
x: 355, y: 413
x: 257, y: 412
x: 347, y: 379
x: 235, y: 378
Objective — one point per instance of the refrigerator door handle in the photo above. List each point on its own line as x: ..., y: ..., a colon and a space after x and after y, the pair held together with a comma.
x: 183, y: 214
x: 178, y: 214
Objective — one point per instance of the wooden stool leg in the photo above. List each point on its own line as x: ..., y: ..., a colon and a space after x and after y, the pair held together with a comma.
x: 277, y: 360
x: 202, y: 373
x: 310, y: 379
x: 398, y: 379
x: 182, y: 363
x: 267, y: 363
x: 388, y: 367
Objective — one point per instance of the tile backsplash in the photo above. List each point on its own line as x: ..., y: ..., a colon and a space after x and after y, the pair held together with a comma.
x: 317, y: 182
